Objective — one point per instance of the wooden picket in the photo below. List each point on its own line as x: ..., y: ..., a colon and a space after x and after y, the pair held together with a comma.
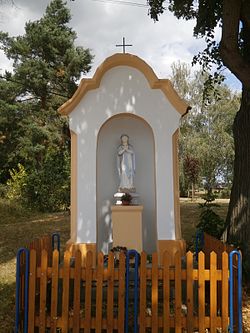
x: 121, y: 294
x: 77, y: 297
x: 54, y: 291
x: 88, y: 282
x: 166, y: 293
x: 143, y: 290
x: 77, y: 290
x: 65, y: 292
x: 110, y: 300
x: 178, y: 303
x: 224, y: 296
x: 154, y: 293
x: 190, y: 296
x: 213, y: 290
x: 43, y: 291
x: 213, y: 244
x: 201, y: 292
x: 39, y: 244
x: 99, y: 293
x: 32, y: 291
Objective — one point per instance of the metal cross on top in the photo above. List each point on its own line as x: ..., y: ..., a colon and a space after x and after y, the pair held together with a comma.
x: 123, y: 45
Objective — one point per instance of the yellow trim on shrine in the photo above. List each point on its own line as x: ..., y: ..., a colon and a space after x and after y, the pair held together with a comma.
x: 126, y: 59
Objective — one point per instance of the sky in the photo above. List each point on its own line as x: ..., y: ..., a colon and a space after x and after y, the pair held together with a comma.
x: 101, y: 24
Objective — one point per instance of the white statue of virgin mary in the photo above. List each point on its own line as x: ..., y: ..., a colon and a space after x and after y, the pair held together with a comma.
x: 126, y: 164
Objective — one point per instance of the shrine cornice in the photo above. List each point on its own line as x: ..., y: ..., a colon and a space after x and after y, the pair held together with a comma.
x: 130, y: 60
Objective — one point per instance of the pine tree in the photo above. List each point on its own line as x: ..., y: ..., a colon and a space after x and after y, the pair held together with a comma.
x: 46, y: 68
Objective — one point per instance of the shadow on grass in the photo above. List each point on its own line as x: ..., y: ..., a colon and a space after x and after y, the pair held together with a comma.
x: 7, y: 307
x: 15, y: 235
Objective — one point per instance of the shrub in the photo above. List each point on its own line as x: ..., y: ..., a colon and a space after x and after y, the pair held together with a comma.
x: 3, y: 191
x: 210, y: 221
x: 16, y: 183
x: 48, y: 189
x: 44, y: 189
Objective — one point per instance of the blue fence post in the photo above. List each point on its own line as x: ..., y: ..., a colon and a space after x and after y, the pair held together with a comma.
x: 26, y: 290
x: 136, y: 255
x: 199, y: 242
x: 57, y: 236
x: 239, y: 291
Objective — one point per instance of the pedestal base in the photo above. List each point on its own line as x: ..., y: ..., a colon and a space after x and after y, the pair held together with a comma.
x: 127, y: 226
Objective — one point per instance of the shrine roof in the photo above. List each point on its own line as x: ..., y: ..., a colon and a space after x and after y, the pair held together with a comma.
x: 130, y: 60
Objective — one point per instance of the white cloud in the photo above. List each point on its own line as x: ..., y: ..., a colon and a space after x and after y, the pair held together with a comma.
x: 100, y: 26
x: 5, y: 64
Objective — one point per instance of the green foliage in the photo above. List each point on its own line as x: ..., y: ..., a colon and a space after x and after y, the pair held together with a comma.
x: 48, y: 189
x: 210, y: 222
x: 126, y: 197
x: 232, y: 51
x: 191, y: 168
x: 46, y: 62
x: 206, y: 131
x: 16, y: 183
x: 3, y: 191
x: 10, y: 117
x: 207, y: 14
x: 47, y: 66
x: 224, y: 193
x: 183, y: 180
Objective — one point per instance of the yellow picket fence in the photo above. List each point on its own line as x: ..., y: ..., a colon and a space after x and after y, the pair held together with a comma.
x: 40, y: 244
x: 76, y: 297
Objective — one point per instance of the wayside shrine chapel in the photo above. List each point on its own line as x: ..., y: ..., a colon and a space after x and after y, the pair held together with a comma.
x: 124, y: 125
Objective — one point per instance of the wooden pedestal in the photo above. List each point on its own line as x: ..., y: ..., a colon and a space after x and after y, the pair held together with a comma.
x: 127, y: 227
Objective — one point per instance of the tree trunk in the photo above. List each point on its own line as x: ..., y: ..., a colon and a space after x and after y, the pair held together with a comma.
x: 192, y: 199
x: 238, y: 218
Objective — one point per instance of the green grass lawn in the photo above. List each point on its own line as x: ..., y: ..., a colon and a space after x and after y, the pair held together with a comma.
x: 19, y: 227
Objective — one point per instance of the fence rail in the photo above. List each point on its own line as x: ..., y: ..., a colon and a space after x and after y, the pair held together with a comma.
x: 76, y: 297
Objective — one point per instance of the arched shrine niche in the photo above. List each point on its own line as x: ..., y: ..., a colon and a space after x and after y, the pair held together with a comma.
x: 107, y: 180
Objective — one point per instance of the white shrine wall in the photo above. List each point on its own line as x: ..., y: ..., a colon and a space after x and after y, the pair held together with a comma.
x: 123, y: 89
